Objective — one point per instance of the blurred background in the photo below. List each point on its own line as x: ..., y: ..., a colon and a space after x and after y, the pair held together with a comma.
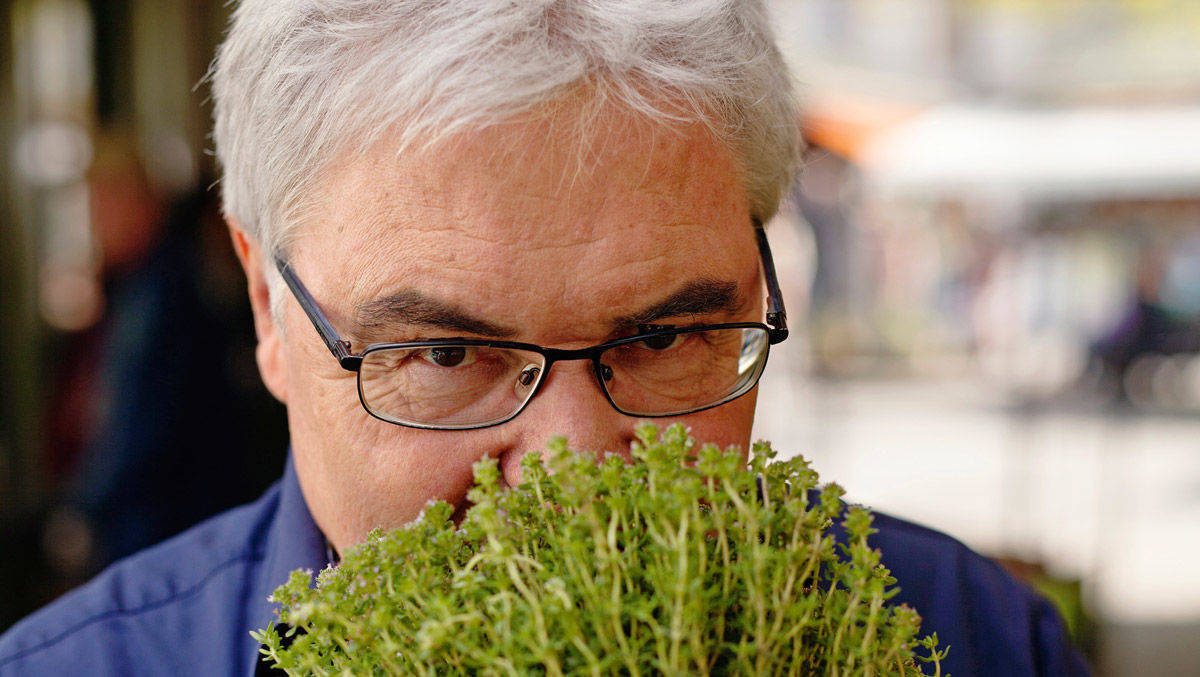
x: 130, y: 403
x: 991, y: 263
x: 994, y: 261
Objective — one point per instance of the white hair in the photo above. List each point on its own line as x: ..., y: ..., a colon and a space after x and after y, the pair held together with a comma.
x: 298, y: 84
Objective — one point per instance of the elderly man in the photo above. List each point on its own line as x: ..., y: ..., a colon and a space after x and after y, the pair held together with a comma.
x: 469, y: 226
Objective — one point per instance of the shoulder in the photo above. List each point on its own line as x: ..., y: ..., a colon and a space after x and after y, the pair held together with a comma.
x: 163, y: 608
x: 992, y: 623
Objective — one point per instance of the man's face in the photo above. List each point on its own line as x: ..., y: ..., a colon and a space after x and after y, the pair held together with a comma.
x: 523, y: 232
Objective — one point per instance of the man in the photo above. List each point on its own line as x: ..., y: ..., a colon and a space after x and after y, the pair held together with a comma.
x: 446, y: 211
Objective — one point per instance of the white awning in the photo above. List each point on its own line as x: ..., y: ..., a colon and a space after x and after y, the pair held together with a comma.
x: 1087, y: 153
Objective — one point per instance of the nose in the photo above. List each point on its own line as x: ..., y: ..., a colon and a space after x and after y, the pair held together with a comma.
x: 571, y: 404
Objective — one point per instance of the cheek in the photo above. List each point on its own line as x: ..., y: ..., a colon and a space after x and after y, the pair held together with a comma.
x: 403, y: 469
x: 728, y: 424
x: 386, y: 473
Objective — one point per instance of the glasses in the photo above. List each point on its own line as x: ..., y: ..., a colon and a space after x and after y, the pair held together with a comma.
x: 463, y: 384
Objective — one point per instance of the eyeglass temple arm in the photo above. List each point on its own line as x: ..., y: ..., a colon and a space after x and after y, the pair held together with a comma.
x: 336, y: 344
x: 776, y: 314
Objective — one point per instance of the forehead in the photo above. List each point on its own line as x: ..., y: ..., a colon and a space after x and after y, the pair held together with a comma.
x: 544, y: 213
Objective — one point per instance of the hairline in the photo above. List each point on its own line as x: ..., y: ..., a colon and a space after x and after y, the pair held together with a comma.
x: 338, y: 76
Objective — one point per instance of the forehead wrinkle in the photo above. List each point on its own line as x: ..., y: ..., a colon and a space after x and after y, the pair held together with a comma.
x: 512, y: 159
x: 497, y: 208
x: 488, y: 206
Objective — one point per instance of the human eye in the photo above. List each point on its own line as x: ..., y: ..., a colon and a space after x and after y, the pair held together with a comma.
x: 661, y: 342
x: 449, y: 356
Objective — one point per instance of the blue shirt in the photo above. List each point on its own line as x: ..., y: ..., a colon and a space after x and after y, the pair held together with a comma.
x: 187, y: 606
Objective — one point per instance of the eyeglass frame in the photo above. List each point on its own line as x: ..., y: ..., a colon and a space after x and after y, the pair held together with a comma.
x: 776, y: 328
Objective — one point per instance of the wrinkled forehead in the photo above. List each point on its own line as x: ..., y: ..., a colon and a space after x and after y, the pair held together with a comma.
x: 571, y: 157
x: 547, y: 205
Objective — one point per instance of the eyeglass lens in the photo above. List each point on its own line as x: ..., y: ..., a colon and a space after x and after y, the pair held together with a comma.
x: 471, y: 386
x: 681, y: 372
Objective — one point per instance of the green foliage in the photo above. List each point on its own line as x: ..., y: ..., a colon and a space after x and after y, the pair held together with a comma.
x: 676, y: 564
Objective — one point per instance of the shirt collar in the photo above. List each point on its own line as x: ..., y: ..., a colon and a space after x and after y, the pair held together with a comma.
x: 293, y: 542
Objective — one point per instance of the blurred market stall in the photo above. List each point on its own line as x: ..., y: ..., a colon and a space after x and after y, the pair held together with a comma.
x: 998, y: 237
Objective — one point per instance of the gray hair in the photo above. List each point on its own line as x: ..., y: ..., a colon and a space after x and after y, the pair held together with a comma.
x: 300, y: 83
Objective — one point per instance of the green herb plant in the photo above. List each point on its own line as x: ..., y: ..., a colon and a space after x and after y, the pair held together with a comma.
x: 687, y: 561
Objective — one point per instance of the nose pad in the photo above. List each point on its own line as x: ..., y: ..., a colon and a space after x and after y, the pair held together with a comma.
x: 527, y: 379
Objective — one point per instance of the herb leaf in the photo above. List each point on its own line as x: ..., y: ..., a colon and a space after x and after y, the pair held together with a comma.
x: 685, y: 562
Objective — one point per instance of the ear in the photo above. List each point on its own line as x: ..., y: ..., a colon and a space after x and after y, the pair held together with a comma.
x: 270, y: 343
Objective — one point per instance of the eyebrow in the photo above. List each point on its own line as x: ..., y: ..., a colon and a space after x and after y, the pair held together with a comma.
x: 412, y: 307
x: 409, y: 306
x: 698, y: 297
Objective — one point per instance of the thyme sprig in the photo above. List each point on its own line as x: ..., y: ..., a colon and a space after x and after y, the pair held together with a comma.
x: 686, y: 562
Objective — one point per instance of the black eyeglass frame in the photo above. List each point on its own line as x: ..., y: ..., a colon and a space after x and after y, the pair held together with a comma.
x: 776, y: 328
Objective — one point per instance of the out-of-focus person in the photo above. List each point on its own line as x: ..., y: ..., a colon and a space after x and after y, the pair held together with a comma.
x: 1162, y: 317
x: 149, y: 410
